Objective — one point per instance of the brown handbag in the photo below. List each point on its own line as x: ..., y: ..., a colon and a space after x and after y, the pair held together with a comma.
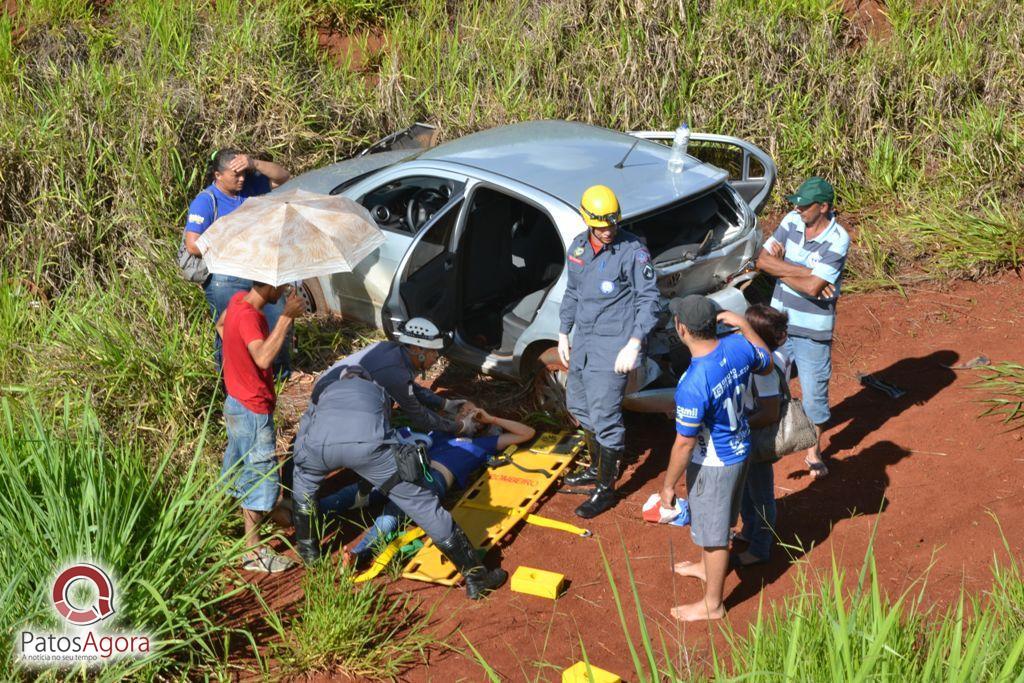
x: 793, y: 432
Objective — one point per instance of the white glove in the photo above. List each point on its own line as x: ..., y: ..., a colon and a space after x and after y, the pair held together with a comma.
x: 362, y: 500
x: 628, y: 356
x: 468, y: 426
x: 452, y: 406
x: 563, y: 348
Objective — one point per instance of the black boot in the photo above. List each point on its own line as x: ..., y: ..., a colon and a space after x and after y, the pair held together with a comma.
x: 479, y: 579
x: 588, y: 475
x: 307, y: 531
x: 604, y: 496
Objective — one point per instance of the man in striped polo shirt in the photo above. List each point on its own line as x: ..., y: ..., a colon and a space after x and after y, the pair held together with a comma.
x: 806, y: 254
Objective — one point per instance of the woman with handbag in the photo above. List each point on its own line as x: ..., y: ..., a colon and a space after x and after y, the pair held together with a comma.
x: 762, y: 402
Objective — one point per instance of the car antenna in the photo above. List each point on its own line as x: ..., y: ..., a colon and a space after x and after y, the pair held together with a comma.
x: 635, y: 143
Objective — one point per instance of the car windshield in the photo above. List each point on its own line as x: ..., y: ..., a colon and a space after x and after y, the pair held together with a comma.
x: 355, y: 179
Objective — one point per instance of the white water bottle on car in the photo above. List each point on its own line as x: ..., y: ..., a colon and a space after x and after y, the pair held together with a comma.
x: 680, y: 142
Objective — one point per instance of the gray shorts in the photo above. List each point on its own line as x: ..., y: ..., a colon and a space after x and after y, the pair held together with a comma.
x: 714, y: 495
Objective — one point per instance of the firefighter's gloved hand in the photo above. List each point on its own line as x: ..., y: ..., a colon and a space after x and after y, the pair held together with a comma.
x: 563, y: 348
x: 361, y: 500
x: 452, y: 406
x: 628, y: 356
x: 468, y: 426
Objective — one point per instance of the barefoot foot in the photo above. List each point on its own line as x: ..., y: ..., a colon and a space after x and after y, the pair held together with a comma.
x: 697, y: 611
x: 692, y: 569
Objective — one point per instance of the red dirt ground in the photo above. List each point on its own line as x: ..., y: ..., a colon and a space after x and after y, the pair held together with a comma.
x: 925, y: 469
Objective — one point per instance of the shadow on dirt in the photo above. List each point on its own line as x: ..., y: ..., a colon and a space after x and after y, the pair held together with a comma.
x: 856, y: 485
x: 866, y: 411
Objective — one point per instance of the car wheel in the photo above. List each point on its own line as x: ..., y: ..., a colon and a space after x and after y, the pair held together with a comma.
x: 549, y: 380
x: 313, y: 296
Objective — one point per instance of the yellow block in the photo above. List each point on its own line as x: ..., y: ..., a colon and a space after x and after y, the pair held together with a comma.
x: 577, y: 673
x: 497, y: 501
x: 537, y: 582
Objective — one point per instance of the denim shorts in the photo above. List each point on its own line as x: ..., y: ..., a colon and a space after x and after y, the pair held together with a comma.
x: 250, y: 466
x: 813, y: 361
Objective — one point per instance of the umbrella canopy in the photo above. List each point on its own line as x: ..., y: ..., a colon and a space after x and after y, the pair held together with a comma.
x: 288, y: 236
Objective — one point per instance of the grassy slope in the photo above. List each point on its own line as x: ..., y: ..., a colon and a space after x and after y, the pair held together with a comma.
x: 107, y: 116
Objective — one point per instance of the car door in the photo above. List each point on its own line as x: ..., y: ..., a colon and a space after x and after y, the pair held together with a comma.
x: 362, y: 294
x: 751, y: 171
x: 425, y: 283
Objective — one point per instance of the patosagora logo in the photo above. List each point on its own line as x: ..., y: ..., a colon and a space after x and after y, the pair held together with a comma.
x: 77, y: 643
x: 102, y: 608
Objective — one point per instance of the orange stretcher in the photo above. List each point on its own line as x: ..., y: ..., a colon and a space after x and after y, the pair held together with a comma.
x: 501, y: 498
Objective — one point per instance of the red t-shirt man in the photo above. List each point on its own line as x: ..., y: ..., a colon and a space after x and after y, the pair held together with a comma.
x: 246, y: 382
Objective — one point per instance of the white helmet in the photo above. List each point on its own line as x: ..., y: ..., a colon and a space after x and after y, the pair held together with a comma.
x: 422, y: 333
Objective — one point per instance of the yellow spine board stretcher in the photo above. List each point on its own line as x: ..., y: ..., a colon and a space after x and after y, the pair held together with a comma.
x: 501, y: 498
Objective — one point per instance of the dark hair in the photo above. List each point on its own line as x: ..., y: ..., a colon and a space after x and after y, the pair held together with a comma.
x: 709, y: 331
x: 219, y: 161
x: 769, y: 323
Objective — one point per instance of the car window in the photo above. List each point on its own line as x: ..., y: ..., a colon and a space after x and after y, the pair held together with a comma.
x: 435, y: 240
x: 389, y: 203
x: 725, y: 156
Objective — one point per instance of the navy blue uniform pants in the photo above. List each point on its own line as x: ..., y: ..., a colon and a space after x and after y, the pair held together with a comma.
x: 374, y: 463
x: 594, y: 397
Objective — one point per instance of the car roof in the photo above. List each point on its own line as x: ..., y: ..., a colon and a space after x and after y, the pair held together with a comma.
x: 563, y: 159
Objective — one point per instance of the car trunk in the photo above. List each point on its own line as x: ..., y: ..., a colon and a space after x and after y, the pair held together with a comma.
x: 693, y: 235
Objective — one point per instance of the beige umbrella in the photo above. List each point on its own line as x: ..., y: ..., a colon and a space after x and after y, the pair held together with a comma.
x: 289, y: 236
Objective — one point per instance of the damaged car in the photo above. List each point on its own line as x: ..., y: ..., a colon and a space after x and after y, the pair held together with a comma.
x: 477, y: 231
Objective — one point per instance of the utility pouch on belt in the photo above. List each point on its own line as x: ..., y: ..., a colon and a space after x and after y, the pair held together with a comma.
x: 412, y: 463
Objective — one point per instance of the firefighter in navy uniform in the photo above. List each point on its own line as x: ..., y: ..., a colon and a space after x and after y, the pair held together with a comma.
x: 610, y: 305
x: 348, y: 424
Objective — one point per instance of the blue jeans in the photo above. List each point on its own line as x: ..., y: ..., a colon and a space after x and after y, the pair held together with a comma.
x: 250, y: 468
x: 814, y: 367
x: 218, y: 291
x: 390, y: 518
x: 758, y: 510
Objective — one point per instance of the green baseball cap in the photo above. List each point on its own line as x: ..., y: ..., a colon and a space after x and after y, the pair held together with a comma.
x: 813, y: 190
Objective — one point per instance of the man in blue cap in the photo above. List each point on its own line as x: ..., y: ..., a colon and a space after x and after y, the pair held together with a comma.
x: 807, y: 253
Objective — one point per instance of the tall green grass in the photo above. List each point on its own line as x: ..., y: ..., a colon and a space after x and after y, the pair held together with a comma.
x: 68, y: 494
x: 341, y: 627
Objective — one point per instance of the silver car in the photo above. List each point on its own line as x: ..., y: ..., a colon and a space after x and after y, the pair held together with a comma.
x: 477, y: 231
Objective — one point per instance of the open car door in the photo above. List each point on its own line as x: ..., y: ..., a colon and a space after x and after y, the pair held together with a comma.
x: 425, y: 282
x: 751, y: 171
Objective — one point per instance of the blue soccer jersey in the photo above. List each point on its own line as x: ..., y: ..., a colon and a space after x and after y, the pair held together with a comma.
x: 709, y: 401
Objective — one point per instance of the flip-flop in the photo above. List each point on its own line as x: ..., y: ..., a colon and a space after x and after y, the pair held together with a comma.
x: 819, y: 470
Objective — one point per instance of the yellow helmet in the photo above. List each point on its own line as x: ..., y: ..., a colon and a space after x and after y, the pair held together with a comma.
x: 599, y: 207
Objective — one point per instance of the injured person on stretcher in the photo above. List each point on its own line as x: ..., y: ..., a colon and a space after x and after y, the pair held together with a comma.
x: 454, y: 464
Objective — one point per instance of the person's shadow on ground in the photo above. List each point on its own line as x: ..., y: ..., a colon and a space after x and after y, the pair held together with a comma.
x: 856, y: 485
x: 867, y: 410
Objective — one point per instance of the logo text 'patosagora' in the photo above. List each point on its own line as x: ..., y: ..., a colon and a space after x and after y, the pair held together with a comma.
x: 85, y: 642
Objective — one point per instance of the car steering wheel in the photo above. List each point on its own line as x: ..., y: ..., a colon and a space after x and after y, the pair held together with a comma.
x: 420, y: 208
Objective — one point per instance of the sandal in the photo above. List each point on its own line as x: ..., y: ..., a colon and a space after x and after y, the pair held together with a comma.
x: 818, y: 469
x: 267, y: 561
